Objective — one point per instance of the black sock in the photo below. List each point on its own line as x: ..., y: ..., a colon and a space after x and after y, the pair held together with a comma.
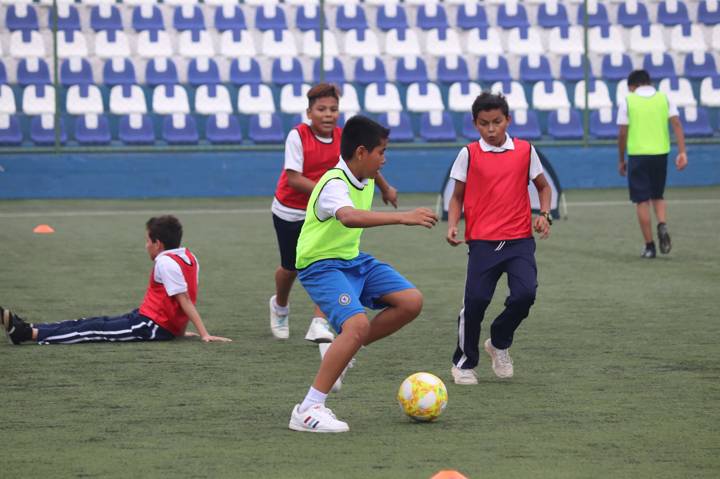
x: 650, y: 245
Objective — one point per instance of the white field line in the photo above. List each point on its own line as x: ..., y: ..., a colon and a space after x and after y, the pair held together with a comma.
x: 233, y: 211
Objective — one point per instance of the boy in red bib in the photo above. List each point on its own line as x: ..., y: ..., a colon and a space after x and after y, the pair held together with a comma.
x: 168, y: 306
x: 491, y: 184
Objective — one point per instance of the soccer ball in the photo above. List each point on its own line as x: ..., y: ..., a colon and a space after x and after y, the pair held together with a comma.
x: 422, y: 396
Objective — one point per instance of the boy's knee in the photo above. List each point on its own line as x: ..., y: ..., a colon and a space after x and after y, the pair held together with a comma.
x: 357, y: 328
x: 413, y: 303
x: 522, y: 299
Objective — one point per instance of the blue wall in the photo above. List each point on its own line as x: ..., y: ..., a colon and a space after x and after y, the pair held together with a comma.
x: 122, y: 175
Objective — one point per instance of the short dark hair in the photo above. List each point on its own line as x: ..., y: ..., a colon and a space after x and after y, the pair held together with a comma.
x: 638, y: 78
x: 322, y: 90
x: 487, y: 101
x: 361, y: 131
x: 166, y: 229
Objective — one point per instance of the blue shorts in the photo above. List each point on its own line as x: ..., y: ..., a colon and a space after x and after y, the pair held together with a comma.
x: 343, y: 288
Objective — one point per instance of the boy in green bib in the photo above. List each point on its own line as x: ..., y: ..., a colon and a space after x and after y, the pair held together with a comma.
x: 341, y: 279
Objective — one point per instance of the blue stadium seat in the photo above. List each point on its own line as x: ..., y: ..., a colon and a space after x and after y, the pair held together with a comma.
x: 532, y: 73
x: 405, y: 74
x: 155, y: 76
x: 83, y: 76
x: 126, y: 76
x: 616, y: 72
x: 205, y: 76
x: 307, y: 17
x: 343, y: 20
x: 180, y: 129
x: 10, y: 131
x: 44, y: 135
x: 25, y: 76
x: 111, y: 22
x: 3, y: 73
x: 136, y: 130
x: 668, y: 18
x: 21, y: 17
x: 467, y: 127
x: 627, y: 19
x: 223, y: 129
x: 386, y: 22
x: 437, y: 126
x: 570, y: 72
x: 527, y: 130
x: 698, y: 71
x: 696, y: 122
x: 508, y: 20
x: 153, y: 22
x: 400, y: 128
x: 458, y: 71
x: 250, y: 75
x: 226, y: 21
x: 598, y: 19
x: 281, y: 76
x: 550, y: 20
x: 276, y: 21
x: 92, y: 130
x: 267, y: 129
x: 196, y: 21
x: 336, y: 74
x: 365, y: 75
x: 705, y: 16
x: 603, y: 128
x: 666, y: 69
x: 467, y: 20
x: 427, y: 20
x: 570, y: 130
x: 69, y: 22
x: 486, y: 73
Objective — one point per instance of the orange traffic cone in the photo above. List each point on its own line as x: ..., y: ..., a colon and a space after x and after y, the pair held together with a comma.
x: 448, y: 474
x: 43, y: 229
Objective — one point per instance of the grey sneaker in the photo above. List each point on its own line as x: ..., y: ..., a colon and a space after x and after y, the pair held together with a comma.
x: 502, y: 364
x: 464, y: 376
x: 664, y: 238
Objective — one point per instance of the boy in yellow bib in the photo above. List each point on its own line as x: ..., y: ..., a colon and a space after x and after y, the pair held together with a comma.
x: 339, y: 278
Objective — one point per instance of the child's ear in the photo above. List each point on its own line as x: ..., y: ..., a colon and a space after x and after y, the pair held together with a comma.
x: 360, y: 152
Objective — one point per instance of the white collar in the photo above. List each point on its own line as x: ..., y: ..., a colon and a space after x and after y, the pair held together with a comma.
x: 508, y: 145
x: 343, y: 166
x: 645, y: 90
x: 178, y: 251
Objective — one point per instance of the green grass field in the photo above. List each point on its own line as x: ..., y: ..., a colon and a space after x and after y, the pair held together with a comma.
x: 617, y: 370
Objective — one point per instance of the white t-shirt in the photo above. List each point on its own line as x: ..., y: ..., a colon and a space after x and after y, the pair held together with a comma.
x: 460, y: 167
x: 335, y: 194
x: 168, y: 273
x: 646, y: 91
x: 294, y: 160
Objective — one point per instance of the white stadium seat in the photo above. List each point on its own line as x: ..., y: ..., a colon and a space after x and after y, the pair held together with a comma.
x: 127, y: 99
x: 349, y: 103
x: 38, y: 99
x: 7, y: 100
x: 26, y: 43
x: 525, y: 41
x: 237, y: 43
x: 642, y: 43
x: 709, y: 93
x: 359, y: 43
x: 551, y: 95
x: 687, y: 38
x: 597, y: 99
x: 168, y: 99
x: 479, y: 44
x: 71, y: 43
x: 293, y: 98
x: 460, y: 95
x: 402, y: 43
x: 564, y: 45
x: 154, y: 43
x: 440, y: 43
x: 423, y: 97
x: 311, y: 44
x: 195, y: 43
x: 681, y: 94
x: 111, y: 44
x: 278, y: 43
x: 513, y: 93
x: 254, y: 99
x: 211, y: 99
x: 381, y: 98
x: 83, y: 99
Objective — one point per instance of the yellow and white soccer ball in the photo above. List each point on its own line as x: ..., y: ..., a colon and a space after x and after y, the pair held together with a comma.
x: 422, y: 396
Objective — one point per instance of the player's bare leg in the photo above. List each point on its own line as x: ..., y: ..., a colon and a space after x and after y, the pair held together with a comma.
x: 404, y: 306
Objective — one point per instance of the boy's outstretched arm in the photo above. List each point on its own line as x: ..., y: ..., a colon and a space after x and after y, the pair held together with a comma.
x: 353, y: 218
x: 540, y: 223
x: 454, y: 212
x: 189, y: 308
x: 389, y: 193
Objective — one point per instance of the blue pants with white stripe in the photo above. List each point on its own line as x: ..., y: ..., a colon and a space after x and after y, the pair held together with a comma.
x: 129, y: 327
x: 487, y: 261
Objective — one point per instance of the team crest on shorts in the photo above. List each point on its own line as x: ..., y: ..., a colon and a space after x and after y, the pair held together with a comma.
x: 344, y: 299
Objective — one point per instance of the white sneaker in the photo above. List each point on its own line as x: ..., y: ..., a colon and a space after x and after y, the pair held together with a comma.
x: 464, y: 376
x: 279, y: 322
x: 317, y: 418
x: 502, y: 363
x: 323, y: 347
x: 319, y: 331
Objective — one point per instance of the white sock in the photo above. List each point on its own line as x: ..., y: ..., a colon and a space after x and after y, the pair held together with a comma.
x: 313, y: 397
x: 281, y: 310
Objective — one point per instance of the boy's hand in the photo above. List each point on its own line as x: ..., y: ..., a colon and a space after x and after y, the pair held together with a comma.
x: 681, y: 161
x: 622, y: 167
x: 452, y: 236
x: 190, y: 334
x: 541, y: 226
x: 420, y: 216
x: 390, y: 195
x: 215, y: 339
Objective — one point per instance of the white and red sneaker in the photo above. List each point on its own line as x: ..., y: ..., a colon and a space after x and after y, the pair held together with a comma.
x: 317, y: 418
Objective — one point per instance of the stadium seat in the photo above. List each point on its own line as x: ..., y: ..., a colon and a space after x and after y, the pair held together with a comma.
x: 349, y: 102
x: 223, y: 128
x: 672, y: 12
x: 195, y: 43
x: 679, y: 91
x: 7, y: 100
x: 10, y: 131
x: 402, y: 42
x: 21, y: 17
x: 484, y: 41
x: 550, y: 95
x: 32, y: 71
x: 513, y: 92
x: 462, y: 94
x: 708, y: 12
x: 237, y: 43
x: 266, y: 128
x: 452, y: 68
x: 229, y: 17
x: 391, y: 16
x: 598, y: 95
x: 432, y: 16
x: 147, y: 17
x: 423, y: 97
x: 254, y: 99
x: 699, y: 65
x: 361, y: 43
x: 68, y: 17
x: 687, y: 38
x: 566, y: 40
x: 597, y: 14
x: 169, y: 99
x: 136, y: 129
x: 244, y: 71
x: 512, y: 14
x: 437, y: 126
x: 42, y: 130
x: 710, y: 91
x: 369, y: 69
x: 81, y: 99
x: 307, y: 17
x: 38, y: 99
x: 572, y: 68
x: 286, y: 70
x: 26, y: 43
x: 334, y: 71
x: 471, y: 15
x: 631, y: 13
x: 111, y: 44
x: 3, y: 73
x: 616, y: 66
x: 75, y: 71
x: 552, y: 14
x: 535, y: 67
x: 382, y: 97
x: 565, y: 124
x: 525, y: 41
x: 525, y: 125
x: 695, y: 121
x: 442, y: 42
x: 188, y: 17
x: 161, y: 71
x: 71, y: 43
x: 311, y: 44
x: 278, y: 43
x: 621, y: 91
x: 153, y: 44
x: 105, y: 17
x: 607, y: 39
x: 92, y: 129
x: 270, y: 17
x: 127, y: 99
x: 293, y: 98
x: 180, y: 129
x: 646, y: 39
x: 715, y: 38
x: 399, y: 124
x: 411, y: 69
x: 659, y: 65
x: 493, y: 68
x: 467, y: 127
x: 212, y: 98
x: 603, y: 123
x: 350, y: 16
x: 203, y: 71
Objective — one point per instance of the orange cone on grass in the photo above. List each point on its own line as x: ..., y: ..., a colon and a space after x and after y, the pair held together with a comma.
x: 448, y: 474
x: 43, y: 229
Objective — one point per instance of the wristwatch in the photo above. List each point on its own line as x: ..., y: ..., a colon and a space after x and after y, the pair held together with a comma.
x: 547, y: 216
